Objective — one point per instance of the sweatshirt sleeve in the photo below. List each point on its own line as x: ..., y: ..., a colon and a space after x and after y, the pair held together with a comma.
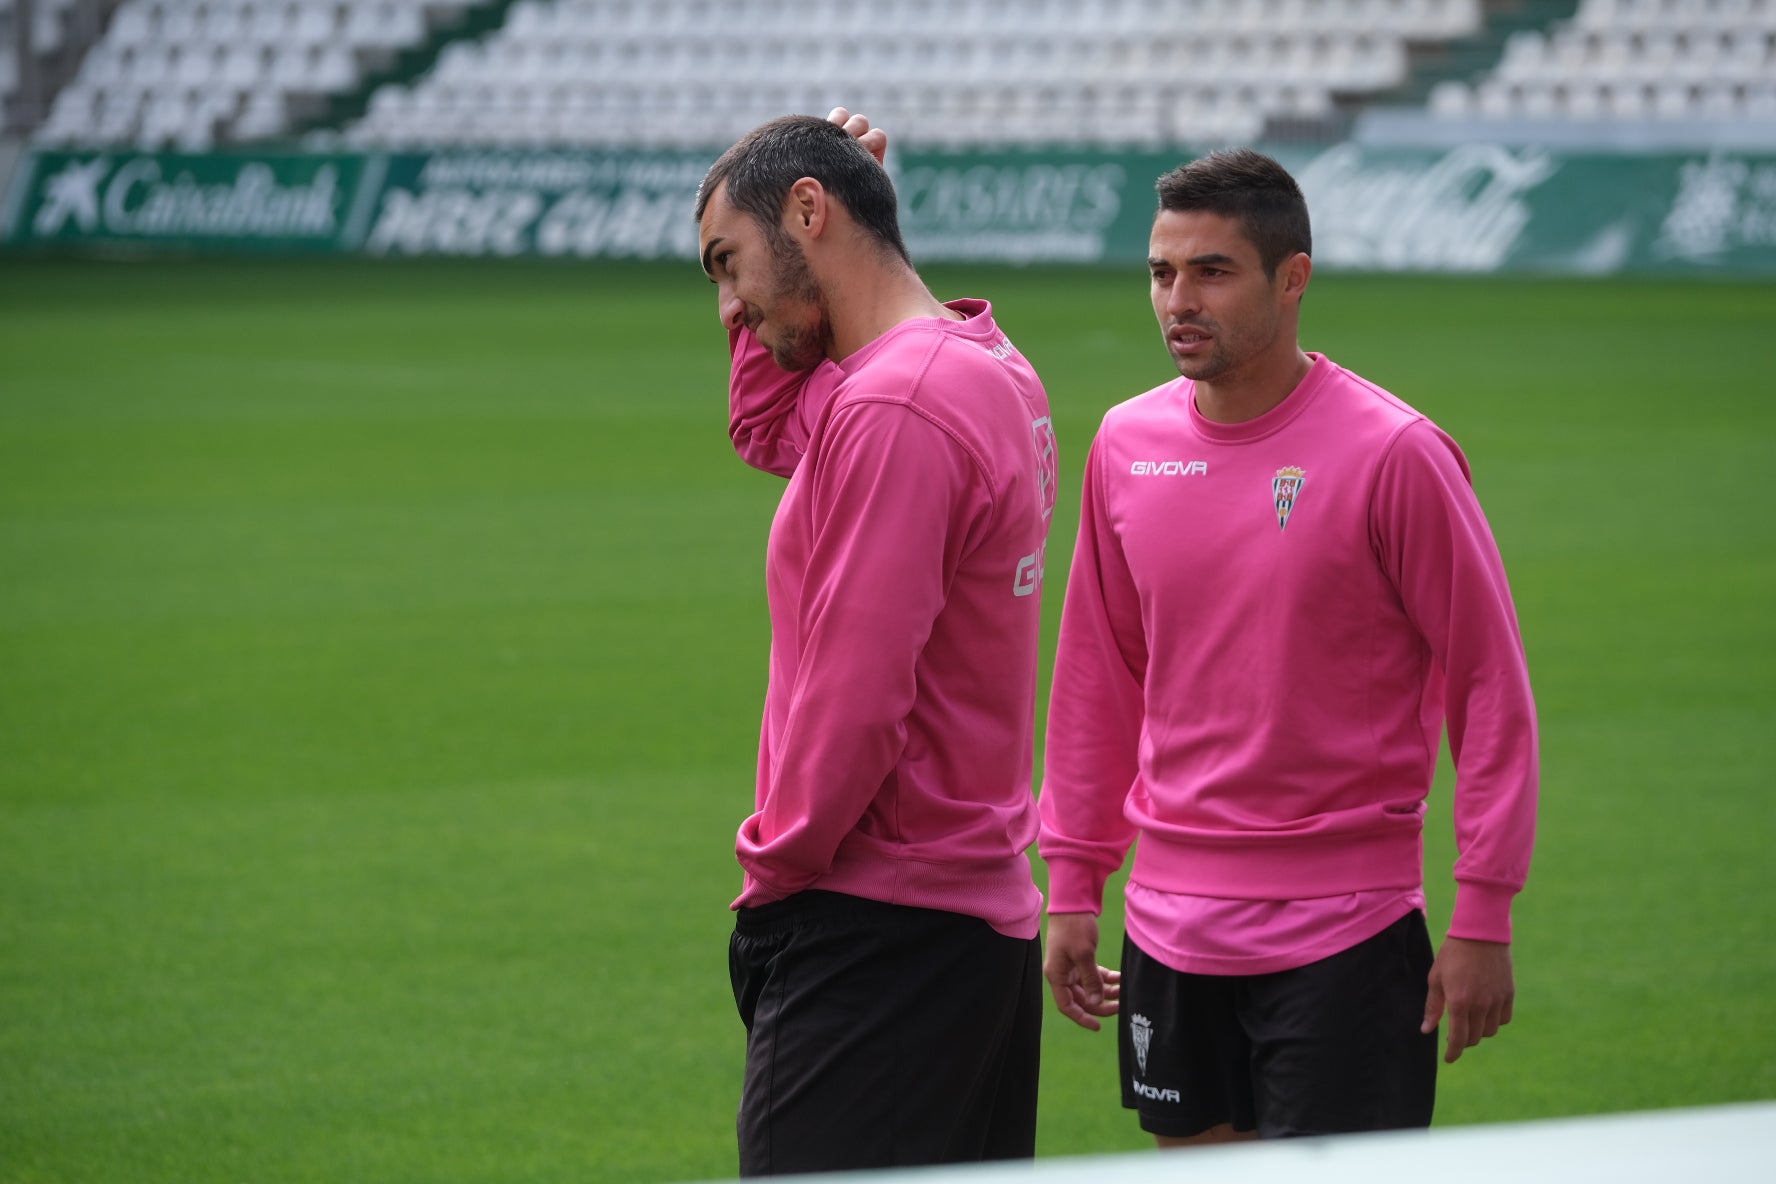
x: 771, y: 410
x: 894, y: 499
x: 1438, y: 550
x: 1096, y: 710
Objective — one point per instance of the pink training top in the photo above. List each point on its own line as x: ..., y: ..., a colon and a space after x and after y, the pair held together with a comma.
x: 1266, y: 625
x: 904, y: 572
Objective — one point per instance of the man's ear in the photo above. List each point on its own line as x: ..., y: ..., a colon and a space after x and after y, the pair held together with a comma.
x: 1297, y: 270
x: 805, y: 210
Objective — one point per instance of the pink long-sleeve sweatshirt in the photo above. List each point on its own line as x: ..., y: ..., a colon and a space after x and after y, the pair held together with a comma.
x: 904, y: 576
x: 1267, y: 626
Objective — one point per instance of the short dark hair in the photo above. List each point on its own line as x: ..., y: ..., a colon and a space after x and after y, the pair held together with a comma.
x: 761, y: 168
x: 1250, y: 187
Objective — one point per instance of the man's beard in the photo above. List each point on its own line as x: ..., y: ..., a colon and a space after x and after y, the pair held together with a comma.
x: 798, y: 347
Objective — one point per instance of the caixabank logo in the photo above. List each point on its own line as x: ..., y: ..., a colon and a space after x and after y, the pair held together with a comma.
x: 70, y: 197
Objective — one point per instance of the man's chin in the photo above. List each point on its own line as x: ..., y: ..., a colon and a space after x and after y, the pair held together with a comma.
x: 797, y: 352
x: 1199, y: 369
x: 794, y: 363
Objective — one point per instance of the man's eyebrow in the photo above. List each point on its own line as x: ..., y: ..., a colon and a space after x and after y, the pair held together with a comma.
x: 708, y: 252
x: 1212, y: 259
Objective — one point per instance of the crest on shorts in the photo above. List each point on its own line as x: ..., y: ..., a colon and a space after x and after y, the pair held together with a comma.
x: 1141, y: 1032
x: 1285, y: 488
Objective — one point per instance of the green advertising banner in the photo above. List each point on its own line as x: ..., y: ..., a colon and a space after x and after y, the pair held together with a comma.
x: 1025, y: 208
x: 1477, y: 208
x: 1474, y: 209
x: 1483, y: 208
x: 270, y: 202
x: 573, y: 204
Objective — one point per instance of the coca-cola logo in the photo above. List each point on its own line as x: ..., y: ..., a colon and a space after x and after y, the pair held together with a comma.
x: 1463, y: 211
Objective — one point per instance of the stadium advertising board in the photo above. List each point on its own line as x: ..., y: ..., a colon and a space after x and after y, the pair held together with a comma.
x: 280, y: 202
x: 1073, y: 207
x: 583, y: 205
x: 1485, y: 208
x: 1475, y: 209
x: 1478, y: 208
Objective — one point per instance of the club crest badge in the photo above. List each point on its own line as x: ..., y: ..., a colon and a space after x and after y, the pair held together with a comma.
x: 1285, y: 489
x: 1141, y: 1031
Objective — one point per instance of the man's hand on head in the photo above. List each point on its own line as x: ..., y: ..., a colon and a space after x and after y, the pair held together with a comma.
x: 859, y: 129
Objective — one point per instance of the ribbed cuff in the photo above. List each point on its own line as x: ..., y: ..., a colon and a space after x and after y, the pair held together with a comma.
x: 1075, y: 887
x: 1482, y: 911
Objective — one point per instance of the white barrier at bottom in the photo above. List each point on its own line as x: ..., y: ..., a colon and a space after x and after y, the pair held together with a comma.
x: 1707, y: 1145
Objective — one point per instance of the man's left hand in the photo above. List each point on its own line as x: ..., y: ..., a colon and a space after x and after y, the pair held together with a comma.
x: 1471, y: 981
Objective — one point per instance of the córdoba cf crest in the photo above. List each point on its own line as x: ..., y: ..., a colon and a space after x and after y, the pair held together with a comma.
x: 1285, y: 487
x: 1142, y: 1033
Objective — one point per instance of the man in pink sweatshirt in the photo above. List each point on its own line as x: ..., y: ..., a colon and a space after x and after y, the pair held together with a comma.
x: 885, y: 957
x: 1283, y: 589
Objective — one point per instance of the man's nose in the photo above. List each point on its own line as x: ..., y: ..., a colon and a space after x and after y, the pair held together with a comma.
x: 730, y: 308
x: 1181, y: 298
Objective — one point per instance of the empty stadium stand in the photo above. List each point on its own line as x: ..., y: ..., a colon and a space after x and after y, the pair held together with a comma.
x: 961, y: 72
x: 39, y: 39
x: 1631, y: 60
x: 198, y: 74
x: 193, y: 74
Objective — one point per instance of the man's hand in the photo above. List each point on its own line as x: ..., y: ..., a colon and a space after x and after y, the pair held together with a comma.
x: 1082, y: 989
x: 1472, y: 981
x: 859, y: 129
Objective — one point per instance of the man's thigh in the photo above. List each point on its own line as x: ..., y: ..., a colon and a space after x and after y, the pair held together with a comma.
x: 881, y: 1036
x: 1336, y: 1045
x: 1185, y: 1060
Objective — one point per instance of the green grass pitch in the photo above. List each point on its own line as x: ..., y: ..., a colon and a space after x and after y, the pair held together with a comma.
x: 382, y: 646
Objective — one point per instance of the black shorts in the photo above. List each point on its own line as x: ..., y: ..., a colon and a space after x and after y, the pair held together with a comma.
x: 1325, y: 1048
x: 882, y: 1036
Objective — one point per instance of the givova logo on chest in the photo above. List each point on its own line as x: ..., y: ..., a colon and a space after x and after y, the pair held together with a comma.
x: 1169, y: 468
